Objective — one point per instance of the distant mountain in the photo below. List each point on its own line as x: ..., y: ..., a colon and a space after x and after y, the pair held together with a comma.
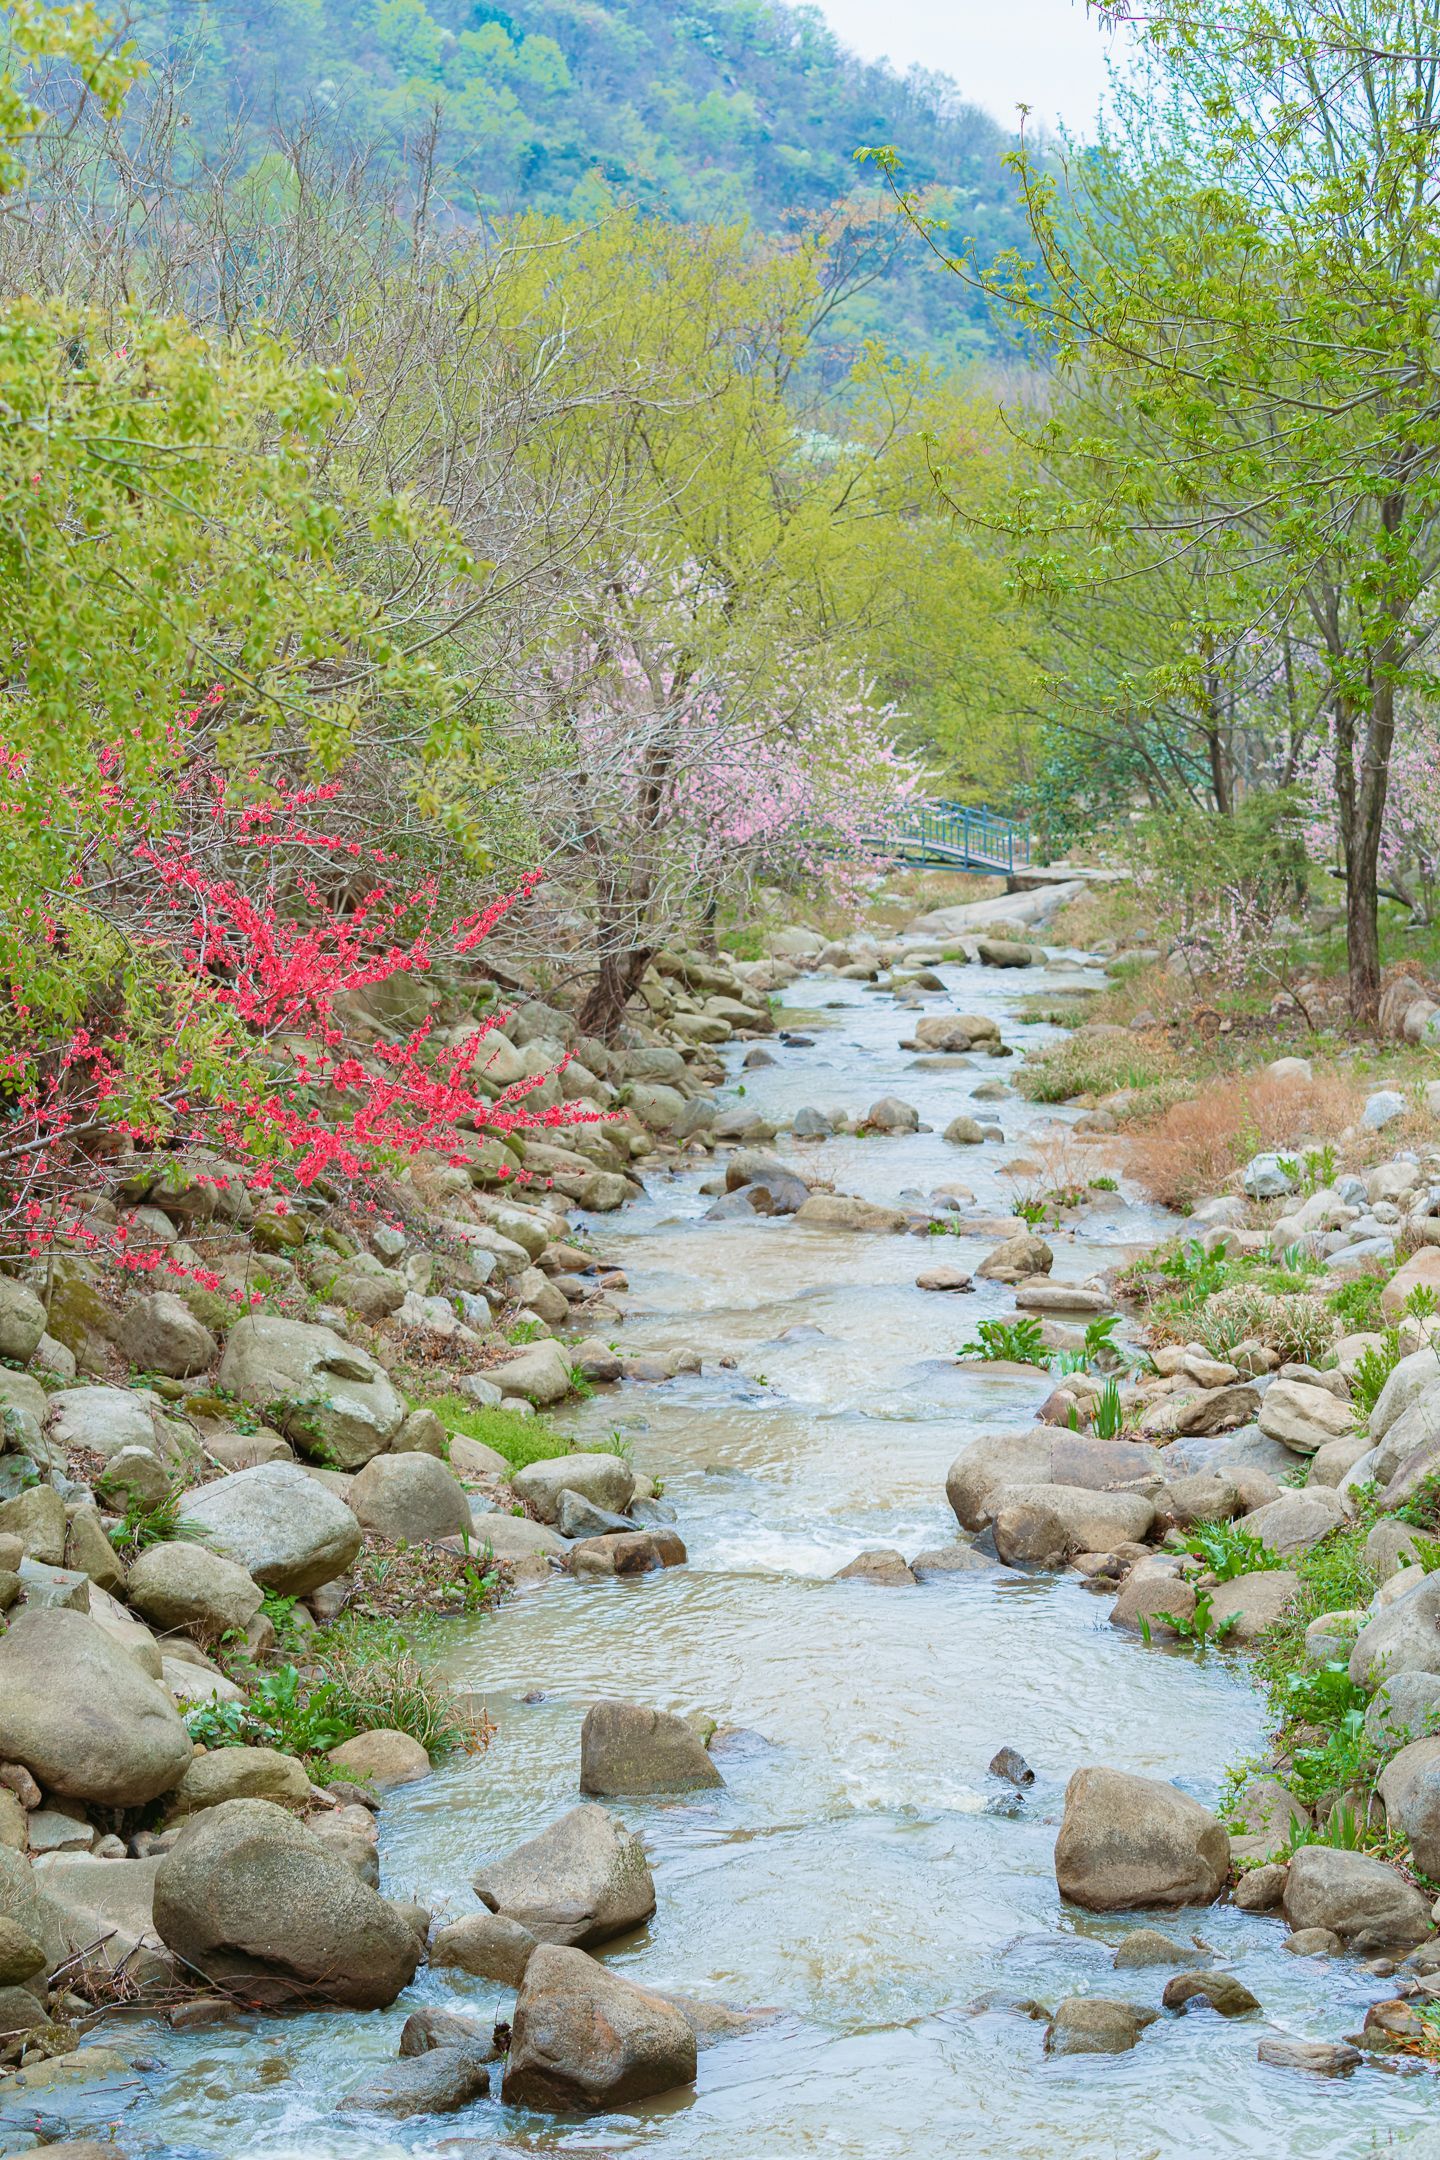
x: 739, y: 109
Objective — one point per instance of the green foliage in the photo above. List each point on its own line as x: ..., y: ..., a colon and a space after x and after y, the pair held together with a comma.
x: 1018, y: 1342
x: 1032, y: 1212
x: 1086, y: 1064
x: 520, y: 1440
x: 1228, y: 1551
x: 1200, y: 1629
x: 1108, y: 1421
x: 161, y: 1524
x: 1422, y: 1509
x: 1357, y: 1305
x: 1372, y: 1369
x: 281, y: 1710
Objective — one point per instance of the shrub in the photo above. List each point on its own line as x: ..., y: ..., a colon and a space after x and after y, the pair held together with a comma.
x: 1300, y: 1328
x: 1199, y: 1144
x: 1018, y: 1342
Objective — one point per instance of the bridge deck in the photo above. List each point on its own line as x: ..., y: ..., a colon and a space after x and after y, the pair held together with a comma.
x: 956, y: 837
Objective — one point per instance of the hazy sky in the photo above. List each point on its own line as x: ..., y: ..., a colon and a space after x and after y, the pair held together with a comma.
x: 1044, y: 52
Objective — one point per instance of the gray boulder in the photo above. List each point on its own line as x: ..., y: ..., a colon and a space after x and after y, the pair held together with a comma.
x: 247, y: 1893
x: 581, y: 1880
x: 1126, y: 1842
x: 626, y: 1748
x: 105, y: 1910
x: 891, y: 1115
x: 539, y: 1374
x: 1040, y: 1455
x: 328, y: 1397
x: 240, y: 1773
x: 845, y: 1211
x: 1095, y: 2025
x: 82, y: 1717
x: 584, y: 2037
x: 178, y: 1585
x: 22, y: 1320
x: 487, y: 1945
x: 283, y: 1526
x: 577, y: 1517
x: 103, y: 1420
x: 411, y: 1498
x: 606, y: 1480
x: 162, y: 1335
x: 1253, y: 1603
x: 1090, y: 1521
x: 1297, y: 1521
x: 1402, y: 1637
x: 1406, y: 1705
x: 434, y: 2083
x: 1368, y: 1905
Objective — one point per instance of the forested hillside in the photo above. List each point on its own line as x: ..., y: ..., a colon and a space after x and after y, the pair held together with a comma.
x: 742, y: 110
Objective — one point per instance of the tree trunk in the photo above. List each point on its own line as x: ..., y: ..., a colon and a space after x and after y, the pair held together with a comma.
x: 616, y: 982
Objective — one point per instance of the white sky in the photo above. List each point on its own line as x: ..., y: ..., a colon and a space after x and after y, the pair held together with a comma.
x: 1046, y: 53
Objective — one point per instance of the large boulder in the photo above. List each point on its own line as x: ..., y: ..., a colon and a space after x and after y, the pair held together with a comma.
x: 1297, y: 1521
x: 607, y: 1481
x: 1127, y: 1842
x: 486, y: 1945
x: 248, y: 1894
x: 437, y: 2082
x: 1090, y: 1521
x: 179, y: 1585
x: 82, y: 1717
x: 539, y: 1374
x: 410, y: 1498
x: 103, y: 1420
x: 1368, y: 1905
x: 581, y: 1880
x: 1304, y: 1417
x: 240, y: 1773
x: 105, y: 1910
x: 382, y: 1757
x: 22, y: 1320
x: 1404, y: 1636
x: 1040, y: 1455
x: 331, y: 1399
x: 162, y: 1335
x: 845, y: 1211
x: 285, y: 1527
x: 585, y: 2037
x: 1253, y: 1603
x: 626, y: 1748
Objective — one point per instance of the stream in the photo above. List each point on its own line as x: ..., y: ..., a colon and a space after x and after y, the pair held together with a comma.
x: 860, y: 1870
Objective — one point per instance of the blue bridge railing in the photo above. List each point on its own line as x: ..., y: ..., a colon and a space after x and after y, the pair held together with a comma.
x: 958, y: 836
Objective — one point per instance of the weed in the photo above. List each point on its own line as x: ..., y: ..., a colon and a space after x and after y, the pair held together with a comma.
x: 1104, y: 1184
x: 1372, y: 1369
x: 1019, y: 1342
x: 520, y: 1440
x: 1199, y: 1628
x: 1094, y: 1064
x: 1422, y: 1509
x: 1032, y: 1212
x: 525, y: 1331
x: 1228, y: 1551
x: 1356, y: 1305
x: 1109, y: 1415
x: 162, y: 1524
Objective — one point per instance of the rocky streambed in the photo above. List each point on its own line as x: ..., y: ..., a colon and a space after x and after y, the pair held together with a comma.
x: 860, y: 1871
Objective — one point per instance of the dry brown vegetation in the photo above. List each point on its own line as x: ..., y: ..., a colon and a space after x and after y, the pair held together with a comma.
x: 1198, y: 1145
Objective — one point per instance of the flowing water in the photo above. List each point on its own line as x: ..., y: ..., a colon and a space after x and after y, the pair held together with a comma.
x: 860, y: 1870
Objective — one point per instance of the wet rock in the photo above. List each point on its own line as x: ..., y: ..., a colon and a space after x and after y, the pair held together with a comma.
x: 577, y: 1517
x: 1313, y: 1942
x: 1126, y: 1842
x: 432, y: 2027
x: 1357, y: 1897
x: 606, y: 1480
x: 1094, y: 2025
x: 1016, y: 1259
x: 776, y: 1194
x: 1038, y: 1455
x: 628, y: 1748
x: 1147, y: 1946
x: 957, y: 1559
x: 641, y: 1552
x: 891, y: 1115
x: 879, y: 1564
x: 1005, y: 953
x: 487, y: 1945
x: 435, y: 2083
x: 1222, y: 1991
x: 944, y: 1277
x: 516, y: 1539
x: 964, y: 1132
x: 539, y: 1374
x: 1323, y: 2058
x: 586, y: 2038
x: 248, y: 1893
x: 1011, y: 1766
x: 178, y: 1585
x: 1089, y: 1521
x: 79, y: 1713
x: 381, y: 1758
x: 954, y: 1031
x: 240, y: 1773
x: 1260, y: 1889
x: 582, y: 1880
x: 1152, y: 1602
x: 843, y: 1211
x: 283, y: 1526
x: 410, y: 1498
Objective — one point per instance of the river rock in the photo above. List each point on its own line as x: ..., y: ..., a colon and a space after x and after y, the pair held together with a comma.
x: 382, y: 1758
x: 1324, y: 2058
x: 487, y: 1945
x: 1391, y: 1546
x: 37, y: 1519
x: 178, y: 1585
x: 247, y: 1893
x: 410, y: 1499
x: 627, y: 1748
x: 1368, y: 1905
x: 1016, y: 1259
x: 538, y: 1374
x: 891, y: 1115
x: 954, y: 1031
x: 580, y: 1881
x: 282, y: 1525
x: 577, y: 1517
x: 435, y: 2083
x: 1126, y: 1842
x: 1304, y: 1417
x: 585, y: 2037
x: 102, y: 1421
x: 641, y: 1552
x: 1265, y: 1815
x: 160, y: 1334
x: 22, y: 1320
x: 1297, y: 1521
x: 1253, y: 1603
x: 1222, y: 1991
x: 1403, y: 1637
x: 606, y: 1480
x: 878, y: 1564
x: 105, y: 1910
x: 431, y: 2027
x: 79, y: 1713
x: 1091, y: 1521
x: 1147, y: 1946
x: 516, y: 1538
x: 1039, y: 1455
x: 240, y: 1773
x: 328, y: 1397
x: 843, y: 1211
x: 1152, y: 1601
x: 956, y: 1559
x: 1095, y: 2025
